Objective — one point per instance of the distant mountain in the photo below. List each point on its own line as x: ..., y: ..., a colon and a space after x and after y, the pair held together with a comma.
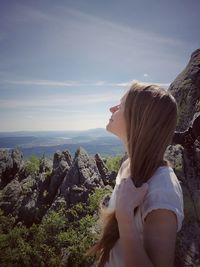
x: 95, y: 131
x: 47, y: 142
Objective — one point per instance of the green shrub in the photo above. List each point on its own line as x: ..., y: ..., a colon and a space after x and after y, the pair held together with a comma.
x: 32, y: 164
x: 96, y: 198
x: 41, y: 244
x: 113, y: 163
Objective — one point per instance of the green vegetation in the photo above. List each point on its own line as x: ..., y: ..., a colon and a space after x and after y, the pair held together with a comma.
x: 32, y: 164
x: 113, y: 163
x: 67, y: 232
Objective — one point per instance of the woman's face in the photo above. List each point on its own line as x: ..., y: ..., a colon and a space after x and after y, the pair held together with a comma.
x: 116, y: 123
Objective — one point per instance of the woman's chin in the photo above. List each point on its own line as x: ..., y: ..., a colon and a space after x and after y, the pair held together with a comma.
x: 108, y: 128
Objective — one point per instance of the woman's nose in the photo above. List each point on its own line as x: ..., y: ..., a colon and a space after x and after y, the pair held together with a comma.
x: 113, y: 109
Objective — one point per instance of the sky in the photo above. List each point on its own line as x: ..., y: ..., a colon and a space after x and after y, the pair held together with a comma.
x: 63, y: 64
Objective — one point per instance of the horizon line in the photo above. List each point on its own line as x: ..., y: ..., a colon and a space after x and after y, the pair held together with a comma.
x: 51, y: 130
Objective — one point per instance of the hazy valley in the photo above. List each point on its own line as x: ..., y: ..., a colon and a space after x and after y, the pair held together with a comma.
x: 48, y: 142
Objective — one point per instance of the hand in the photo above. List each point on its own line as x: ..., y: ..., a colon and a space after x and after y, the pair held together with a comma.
x: 128, y: 197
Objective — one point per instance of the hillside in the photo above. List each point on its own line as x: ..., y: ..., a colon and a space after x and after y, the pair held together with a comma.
x: 47, y: 143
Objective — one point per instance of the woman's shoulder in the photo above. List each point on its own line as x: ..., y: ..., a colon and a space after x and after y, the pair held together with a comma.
x: 164, y: 192
x: 164, y: 178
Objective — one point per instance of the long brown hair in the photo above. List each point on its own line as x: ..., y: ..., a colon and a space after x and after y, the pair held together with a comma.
x: 151, y: 116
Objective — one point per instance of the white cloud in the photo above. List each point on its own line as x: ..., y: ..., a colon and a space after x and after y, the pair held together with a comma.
x: 61, y: 100
x: 100, y: 41
x: 51, y: 83
x: 68, y: 99
x: 115, y: 34
x: 94, y: 21
x: 78, y: 20
x: 40, y: 83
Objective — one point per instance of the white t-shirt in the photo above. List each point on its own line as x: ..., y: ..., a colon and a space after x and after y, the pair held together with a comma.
x: 164, y: 192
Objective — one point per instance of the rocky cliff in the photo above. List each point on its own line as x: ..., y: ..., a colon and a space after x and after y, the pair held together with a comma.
x: 28, y: 196
x: 186, y: 90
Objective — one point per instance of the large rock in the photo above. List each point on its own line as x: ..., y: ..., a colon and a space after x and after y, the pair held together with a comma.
x: 82, y: 178
x: 62, y: 162
x: 9, y: 196
x: 186, y: 90
x: 10, y: 164
x: 107, y: 177
x: 27, y: 208
x: 44, y: 187
x: 194, y: 68
x: 19, y: 198
x: 186, y: 163
x: 45, y: 165
x: 188, y: 239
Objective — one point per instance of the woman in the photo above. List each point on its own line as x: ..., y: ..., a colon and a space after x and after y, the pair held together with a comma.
x: 146, y: 207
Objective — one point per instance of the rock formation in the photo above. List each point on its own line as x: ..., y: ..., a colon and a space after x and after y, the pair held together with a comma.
x: 29, y: 196
x: 9, y: 166
x: 186, y: 90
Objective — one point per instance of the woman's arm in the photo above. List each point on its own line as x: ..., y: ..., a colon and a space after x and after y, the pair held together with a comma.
x: 134, y: 254
x: 159, y: 231
x: 159, y: 235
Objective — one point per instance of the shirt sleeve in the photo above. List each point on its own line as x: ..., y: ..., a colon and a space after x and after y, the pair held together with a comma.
x: 112, y: 200
x: 164, y: 199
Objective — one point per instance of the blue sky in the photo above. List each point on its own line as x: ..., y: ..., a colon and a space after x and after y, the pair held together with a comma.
x: 64, y: 63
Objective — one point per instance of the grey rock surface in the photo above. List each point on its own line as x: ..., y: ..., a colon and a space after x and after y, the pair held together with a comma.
x: 82, y: 178
x: 186, y: 162
x: 186, y: 90
x: 107, y: 177
x: 10, y: 164
x: 64, y: 182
